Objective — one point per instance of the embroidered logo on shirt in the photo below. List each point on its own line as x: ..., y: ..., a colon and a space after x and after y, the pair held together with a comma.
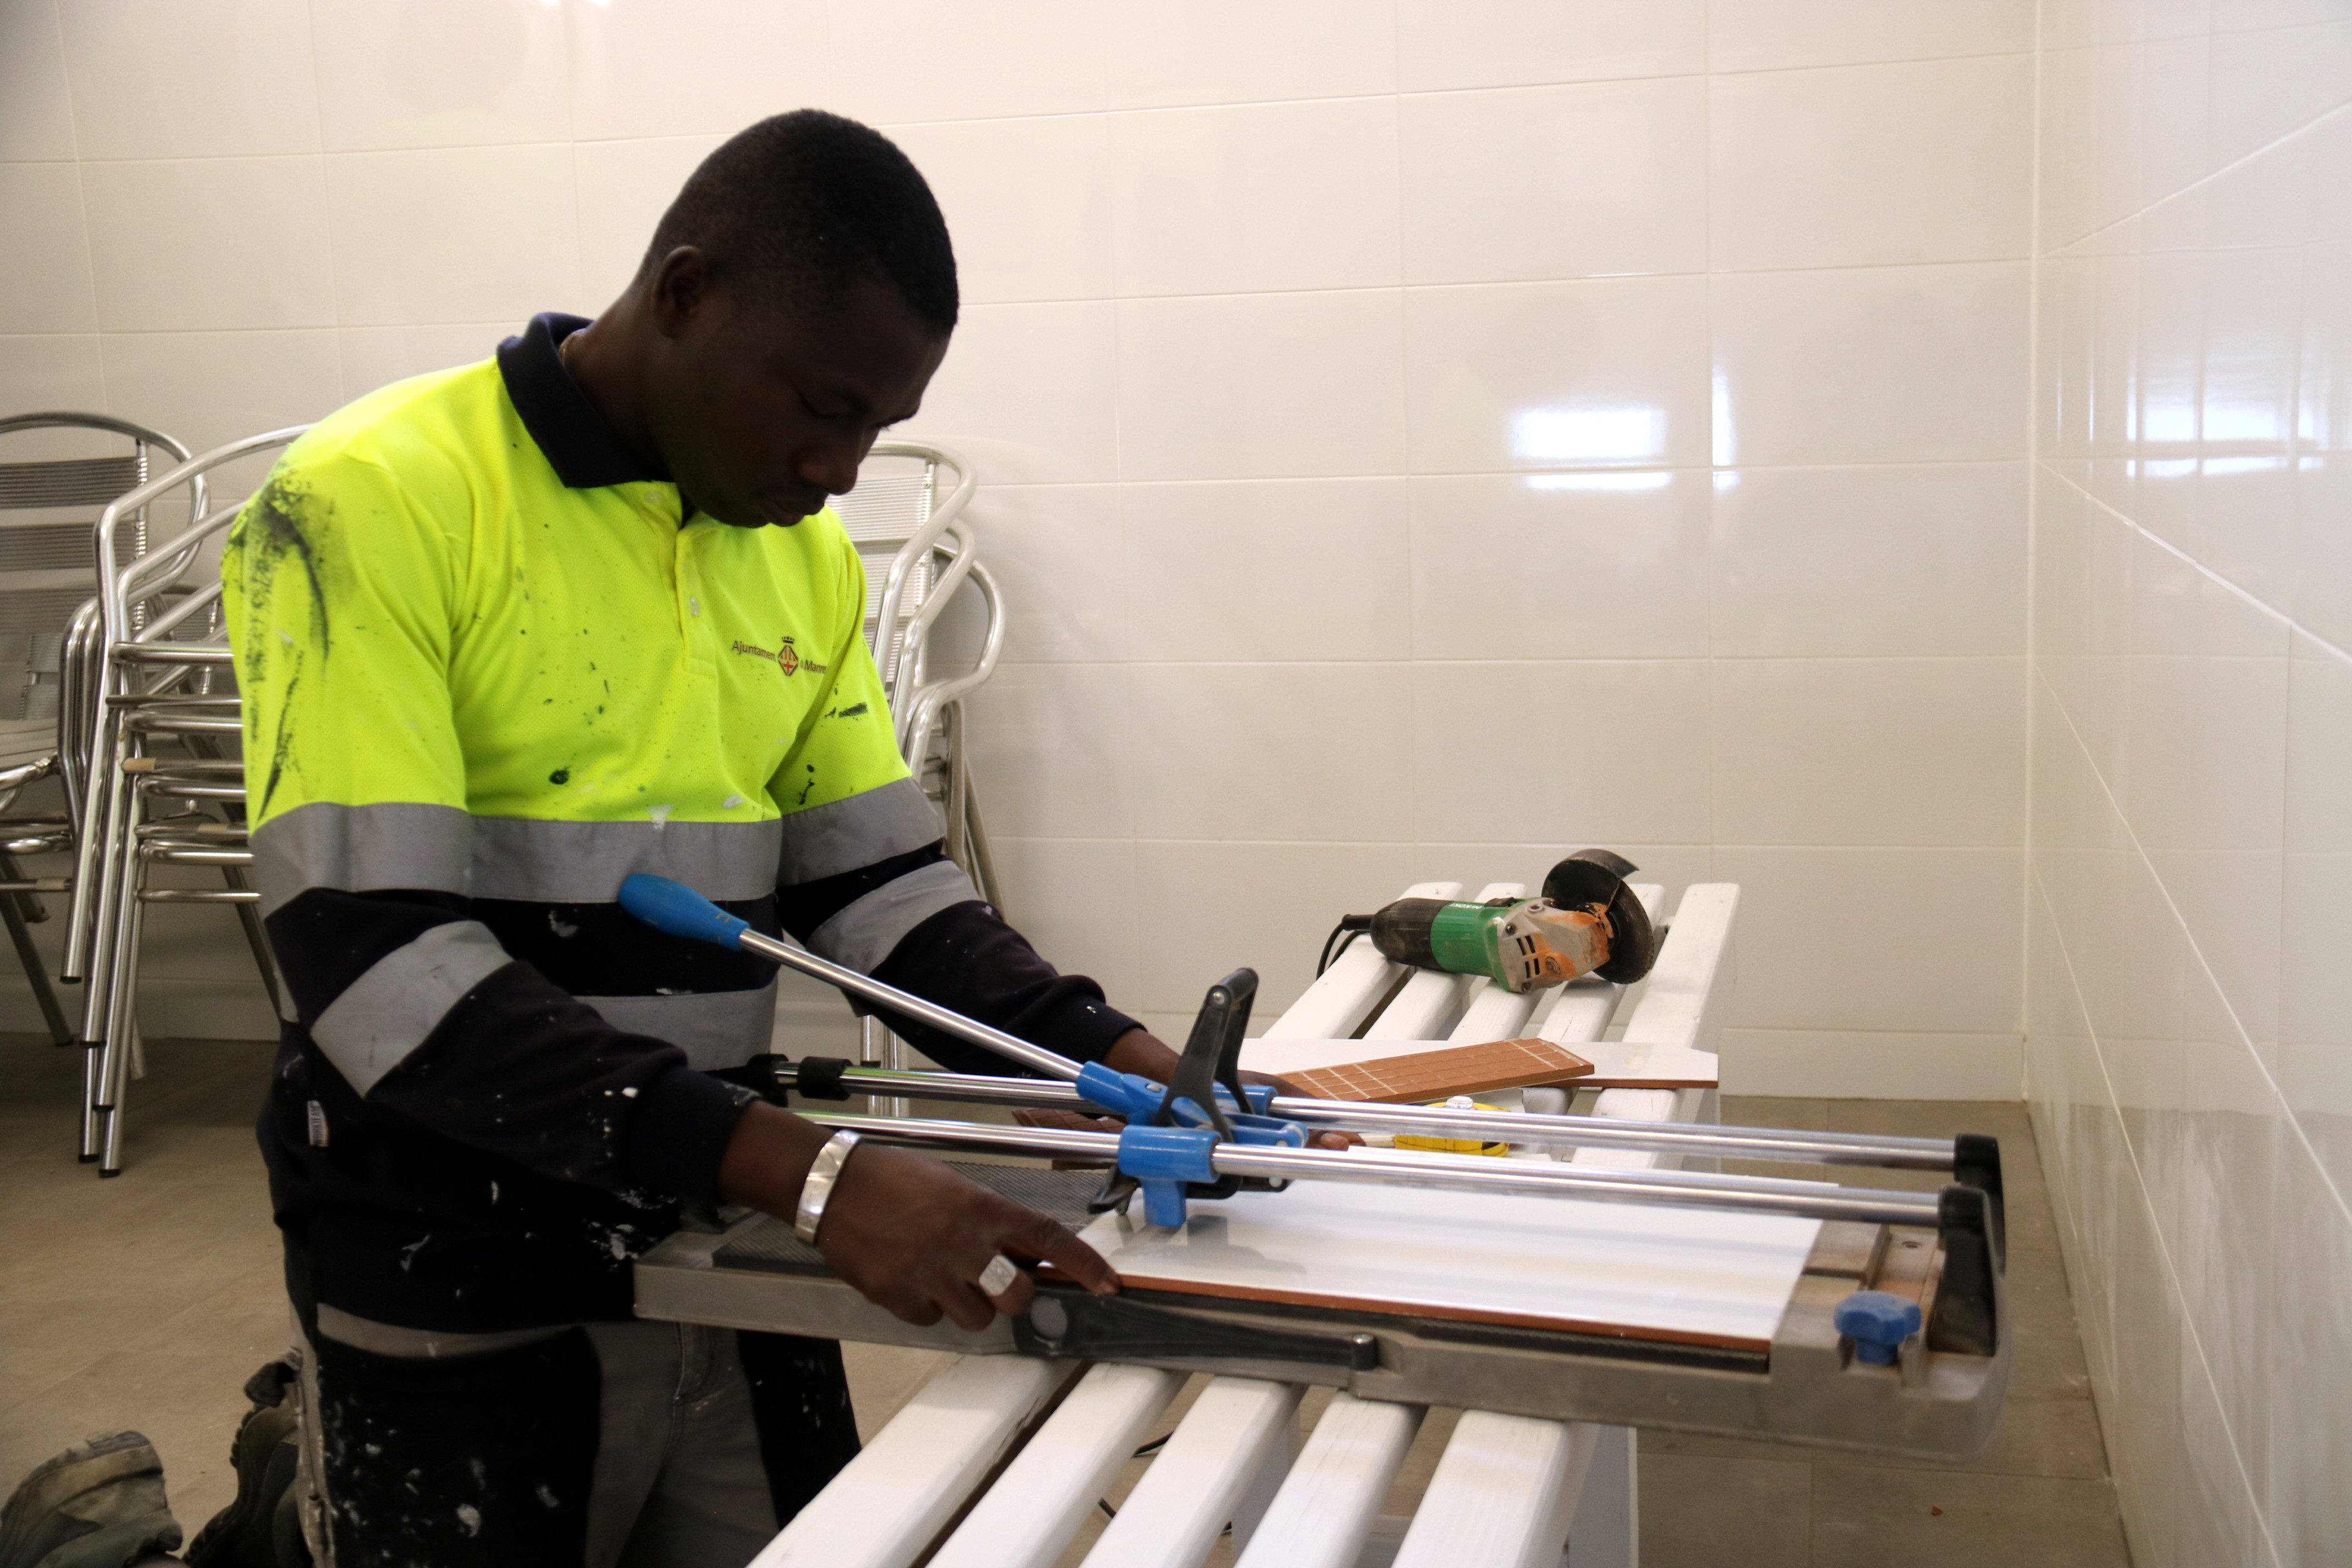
x: 785, y: 658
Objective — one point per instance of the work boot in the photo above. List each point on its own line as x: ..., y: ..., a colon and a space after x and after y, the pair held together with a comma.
x: 99, y: 1504
x: 260, y: 1528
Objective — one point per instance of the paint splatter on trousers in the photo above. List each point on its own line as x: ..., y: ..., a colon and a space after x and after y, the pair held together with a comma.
x: 634, y: 1445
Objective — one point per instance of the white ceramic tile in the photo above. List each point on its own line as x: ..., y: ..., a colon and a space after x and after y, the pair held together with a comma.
x: 2251, y: 353
x: 2308, y: 1509
x: 35, y: 107
x: 1875, y: 939
x: 1029, y: 393
x: 624, y: 187
x: 1916, y: 559
x: 1073, y: 898
x: 261, y: 259
x: 1296, y: 751
x: 54, y: 371
x: 1058, y: 552
x: 1860, y: 165
x: 2271, y: 82
x: 1662, y: 1273
x: 207, y: 388
x: 44, y: 250
x: 2315, y: 1053
x: 378, y: 356
x: 1877, y: 751
x: 1504, y: 43
x: 471, y: 234
x: 441, y: 73
x: 2176, y: 84
x: 899, y: 61
x: 190, y: 78
x: 1266, y: 569
x: 1289, y: 195
x: 1216, y: 907
x: 1050, y: 748
x: 1600, y: 373
x: 1672, y: 867
x: 1837, y: 1064
x: 1871, y: 365
x: 1541, y: 726
x: 1555, y: 182
x: 1027, y: 201
x: 1775, y: 35
x: 1230, y: 51
x: 683, y: 68
x: 1261, y: 386
x: 1550, y: 566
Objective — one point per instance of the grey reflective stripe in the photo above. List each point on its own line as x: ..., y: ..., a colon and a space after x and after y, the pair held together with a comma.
x: 583, y: 862
x: 386, y: 1014
x: 361, y: 847
x: 715, y: 1029
x: 857, y: 830
x: 862, y: 935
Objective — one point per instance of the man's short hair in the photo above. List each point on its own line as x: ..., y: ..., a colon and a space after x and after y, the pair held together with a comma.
x: 813, y: 200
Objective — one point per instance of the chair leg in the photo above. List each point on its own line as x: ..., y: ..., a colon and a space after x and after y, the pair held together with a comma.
x: 94, y: 1123
x: 256, y: 937
x: 36, y: 973
x: 983, y: 860
x: 122, y: 1042
x: 110, y: 1161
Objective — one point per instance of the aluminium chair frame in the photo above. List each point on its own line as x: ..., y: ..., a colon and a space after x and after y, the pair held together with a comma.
x: 133, y: 681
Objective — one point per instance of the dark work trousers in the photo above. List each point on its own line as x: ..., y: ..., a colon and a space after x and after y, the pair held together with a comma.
x: 635, y: 1445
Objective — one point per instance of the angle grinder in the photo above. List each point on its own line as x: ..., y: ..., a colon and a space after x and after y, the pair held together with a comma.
x: 1586, y: 921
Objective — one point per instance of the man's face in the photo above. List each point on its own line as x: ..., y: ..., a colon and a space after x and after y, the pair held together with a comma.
x: 762, y: 409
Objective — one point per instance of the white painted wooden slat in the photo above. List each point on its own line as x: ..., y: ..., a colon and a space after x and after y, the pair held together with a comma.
x: 1185, y: 1499
x: 1683, y: 1006
x: 1425, y: 1009
x: 1501, y: 1496
x: 1327, y: 1504
x: 887, y: 1503
x: 1035, y: 1506
x: 1351, y: 987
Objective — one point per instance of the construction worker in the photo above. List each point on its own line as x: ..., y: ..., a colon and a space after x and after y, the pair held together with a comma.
x: 506, y: 634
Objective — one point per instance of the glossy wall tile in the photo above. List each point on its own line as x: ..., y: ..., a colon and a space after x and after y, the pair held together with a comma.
x: 2188, y: 792
x: 1365, y: 399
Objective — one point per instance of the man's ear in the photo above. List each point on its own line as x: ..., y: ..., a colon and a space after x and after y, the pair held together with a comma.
x: 679, y: 290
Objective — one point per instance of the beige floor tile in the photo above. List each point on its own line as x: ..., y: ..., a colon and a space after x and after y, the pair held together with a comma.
x: 1869, y: 1517
x: 1700, y: 1513
x: 882, y: 1378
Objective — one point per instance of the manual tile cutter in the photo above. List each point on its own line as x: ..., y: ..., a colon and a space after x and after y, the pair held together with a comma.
x: 1916, y: 1369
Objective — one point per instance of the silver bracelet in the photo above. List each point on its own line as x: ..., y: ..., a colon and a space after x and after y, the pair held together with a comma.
x: 824, y: 1173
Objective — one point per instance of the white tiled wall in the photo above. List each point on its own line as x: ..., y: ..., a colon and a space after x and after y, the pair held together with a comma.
x: 1421, y: 435
x: 2190, y: 900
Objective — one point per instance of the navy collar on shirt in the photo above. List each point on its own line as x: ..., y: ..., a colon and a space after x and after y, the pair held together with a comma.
x: 579, y: 445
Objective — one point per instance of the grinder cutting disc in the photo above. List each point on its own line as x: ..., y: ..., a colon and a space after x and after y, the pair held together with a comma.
x: 1598, y: 876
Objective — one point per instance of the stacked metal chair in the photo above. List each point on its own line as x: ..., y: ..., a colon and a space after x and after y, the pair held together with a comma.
x: 151, y: 666
x: 48, y: 506
x: 918, y: 551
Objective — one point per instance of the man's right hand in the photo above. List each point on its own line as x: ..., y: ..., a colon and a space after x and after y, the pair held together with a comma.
x: 908, y: 1232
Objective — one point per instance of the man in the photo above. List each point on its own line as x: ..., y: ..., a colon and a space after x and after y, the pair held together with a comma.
x: 506, y: 634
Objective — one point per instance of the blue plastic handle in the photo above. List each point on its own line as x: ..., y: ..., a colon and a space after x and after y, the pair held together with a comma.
x: 678, y: 909
x: 1877, y: 1321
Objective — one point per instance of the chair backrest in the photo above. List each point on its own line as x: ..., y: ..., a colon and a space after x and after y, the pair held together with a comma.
x: 49, y: 505
x: 895, y: 495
